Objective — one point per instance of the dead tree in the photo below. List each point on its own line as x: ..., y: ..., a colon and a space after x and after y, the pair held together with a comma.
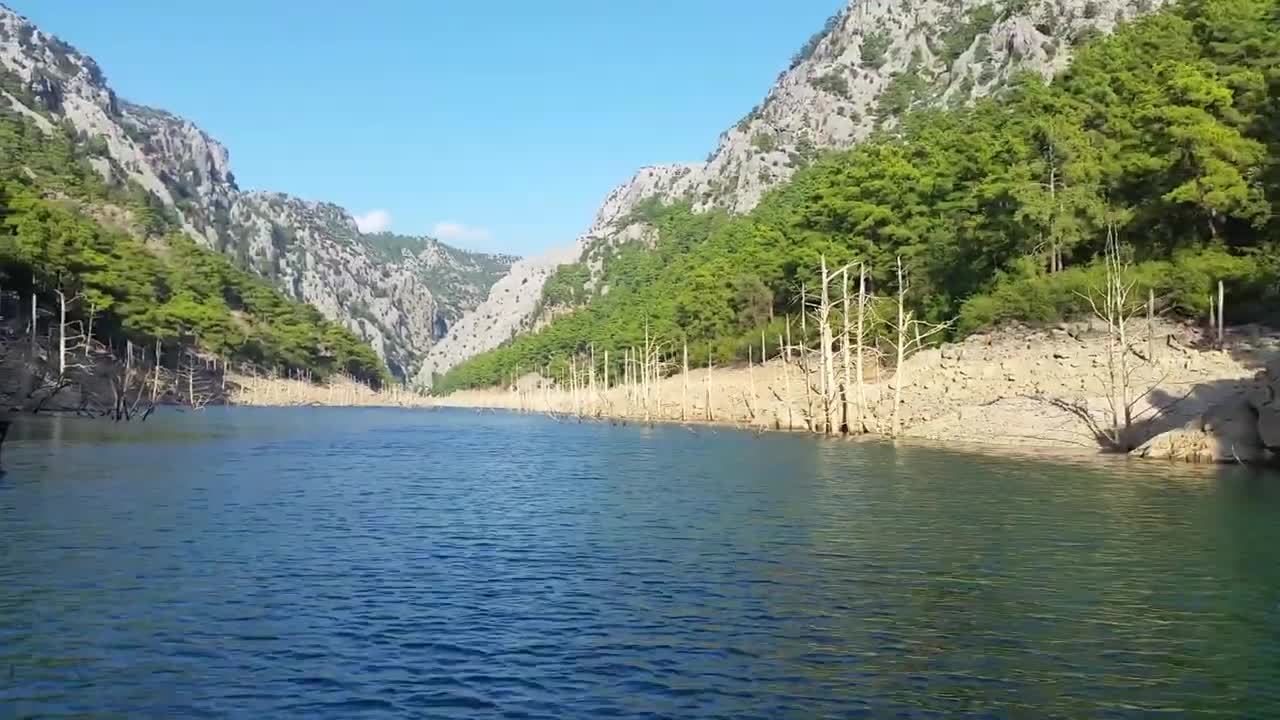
x: 845, y: 421
x: 860, y: 348
x: 1222, y: 310
x: 684, y: 385
x: 594, y: 407
x: 605, y: 396
x: 828, y: 360
x: 34, y: 326
x: 1113, y: 304
x: 710, y: 413
x: 197, y: 392
x: 827, y: 390
x: 804, y: 359
x: 573, y: 383
x: 911, y: 335
x: 785, y: 352
x: 155, y: 382
x: 63, y: 335
x: 645, y: 370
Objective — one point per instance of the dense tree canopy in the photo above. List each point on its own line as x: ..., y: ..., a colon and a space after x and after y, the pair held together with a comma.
x: 1168, y: 131
x: 63, y: 228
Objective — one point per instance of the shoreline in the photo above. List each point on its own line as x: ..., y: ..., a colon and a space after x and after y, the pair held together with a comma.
x: 1063, y: 455
x: 1015, y: 389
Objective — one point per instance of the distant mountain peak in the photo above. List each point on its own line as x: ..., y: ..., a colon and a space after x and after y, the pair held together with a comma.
x: 400, y: 303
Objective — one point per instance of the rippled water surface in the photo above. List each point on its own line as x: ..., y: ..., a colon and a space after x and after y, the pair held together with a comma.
x: 369, y: 563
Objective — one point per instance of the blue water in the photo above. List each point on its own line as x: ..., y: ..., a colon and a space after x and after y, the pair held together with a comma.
x: 334, y: 563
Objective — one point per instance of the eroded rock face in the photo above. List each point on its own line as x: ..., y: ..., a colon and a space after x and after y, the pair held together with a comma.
x: 1226, y: 434
x: 509, y: 307
x: 833, y: 96
x: 1265, y: 402
x: 390, y: 294
x: 1242, y: 429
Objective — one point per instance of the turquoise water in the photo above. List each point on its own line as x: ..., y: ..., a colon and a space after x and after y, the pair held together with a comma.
x: 336, y: 563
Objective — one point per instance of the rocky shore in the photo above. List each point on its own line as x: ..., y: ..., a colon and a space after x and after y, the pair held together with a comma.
x: 1033, y: 388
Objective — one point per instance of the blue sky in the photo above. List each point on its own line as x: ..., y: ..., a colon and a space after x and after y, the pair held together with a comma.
x: 497, y: 125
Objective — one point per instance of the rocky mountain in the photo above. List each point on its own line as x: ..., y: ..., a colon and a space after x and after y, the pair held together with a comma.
x: 872, y: 62
x: 399, y: 293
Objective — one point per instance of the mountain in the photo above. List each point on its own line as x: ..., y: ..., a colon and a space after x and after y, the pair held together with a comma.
x: 400, y: 294
x: 1150, y: 167
x: 870, y: 64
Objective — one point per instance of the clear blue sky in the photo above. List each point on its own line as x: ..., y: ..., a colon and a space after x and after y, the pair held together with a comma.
x: 507, y: 120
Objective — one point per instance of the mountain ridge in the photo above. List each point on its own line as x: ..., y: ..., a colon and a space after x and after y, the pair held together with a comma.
x: 399, y: 303
x: 873, y: 61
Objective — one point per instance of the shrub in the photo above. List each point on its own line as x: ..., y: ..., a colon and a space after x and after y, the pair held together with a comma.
x: 874, y: 47
x: 764, y: 142
x: 833, y: 82
x: 1182, y: 287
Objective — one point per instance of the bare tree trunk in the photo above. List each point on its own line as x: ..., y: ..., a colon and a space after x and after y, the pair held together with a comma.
x: 155, y: 384
x: 645, y: 372
x: 88, y: 334
x: 1121, y: 316
x: 710, y: 412
x: 861, y: 339
x: 1222, y: 311
x: 900, y: 369
x: 573, y: 383
x: 764, y: 367
x: 656, y: 376
x: 1151, y: 325
x: 1053, y: 199
x: 591, y: 382
x: 34, y: 307
x: 635, y: 379
x: 62, y: 334
x: 828, y: 361
x: 684, y: 386
x: 804, y: 359
x: 1213, y: 316
x: 785, y: 353
x: 846, y: 420
x: 1115, y: 313
x: 626, y: 378
x: 752, y: 407
x: 546, y: 389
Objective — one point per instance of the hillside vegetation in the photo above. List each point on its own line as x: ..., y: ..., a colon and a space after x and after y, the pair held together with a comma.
x: 1167, y: 133
x: 117, y: 251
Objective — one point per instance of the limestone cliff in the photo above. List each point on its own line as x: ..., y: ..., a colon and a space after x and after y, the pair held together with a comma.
x: 872, y: 62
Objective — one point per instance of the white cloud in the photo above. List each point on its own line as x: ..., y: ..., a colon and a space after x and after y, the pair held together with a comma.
x: 374, y: 221
x: 456, y: 232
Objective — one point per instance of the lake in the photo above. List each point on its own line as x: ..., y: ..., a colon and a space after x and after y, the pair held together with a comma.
x: 350, y: 563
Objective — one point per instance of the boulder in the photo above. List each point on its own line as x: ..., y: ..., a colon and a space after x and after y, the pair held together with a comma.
x: 1269, y: 427
x: 1227, y: 433
x: 1265, y: 401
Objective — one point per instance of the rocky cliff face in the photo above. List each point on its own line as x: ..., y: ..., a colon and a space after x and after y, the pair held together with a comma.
x: 401, y: 294
x: 872, y: 62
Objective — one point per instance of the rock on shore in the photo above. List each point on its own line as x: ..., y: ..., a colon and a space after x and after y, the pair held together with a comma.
x: 1243, y: 429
